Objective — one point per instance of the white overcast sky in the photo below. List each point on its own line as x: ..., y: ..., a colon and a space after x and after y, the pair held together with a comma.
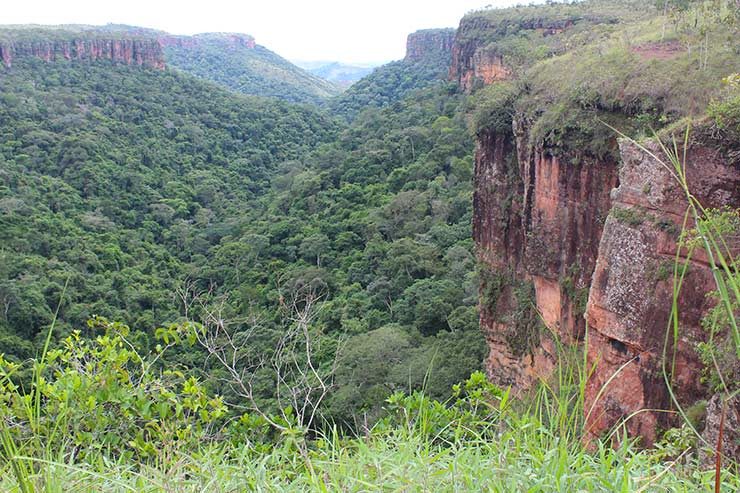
x: 347, y: 31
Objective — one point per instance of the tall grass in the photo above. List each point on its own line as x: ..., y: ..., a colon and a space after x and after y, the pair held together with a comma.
x: 481, y: 440
x: 13, y: 450
x: 536, y: 449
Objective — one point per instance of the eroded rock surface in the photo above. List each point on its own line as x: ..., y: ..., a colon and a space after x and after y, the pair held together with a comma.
x: 631, y: 292
x: 143, y: 52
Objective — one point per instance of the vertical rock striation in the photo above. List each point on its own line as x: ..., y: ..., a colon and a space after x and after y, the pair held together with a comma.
x: 631, y: 292
x: 537, y: 223
x: 142, y: 52
x: 553, y: 232
x: 429, y: 42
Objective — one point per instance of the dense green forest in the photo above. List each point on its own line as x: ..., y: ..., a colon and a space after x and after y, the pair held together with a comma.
x: 249, y: 70
x: 393, y: 82
x: 113, y: 170
x: 129, y: 184
x: 202, y: 290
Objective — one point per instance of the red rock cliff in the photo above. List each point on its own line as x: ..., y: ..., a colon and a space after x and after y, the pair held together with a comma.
x: 555, y: 231
x: 537, y: 224
x: 429, y: 42
x: 143, y: 52
x: 631, y: 292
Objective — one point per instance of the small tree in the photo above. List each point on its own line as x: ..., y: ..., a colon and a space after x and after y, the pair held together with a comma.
x: 302, y: 380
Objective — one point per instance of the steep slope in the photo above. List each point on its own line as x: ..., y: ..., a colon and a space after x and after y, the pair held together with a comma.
x: 556, y: 80
x: 237, y: 62
x: 117, y: 180
x: 426, y: 64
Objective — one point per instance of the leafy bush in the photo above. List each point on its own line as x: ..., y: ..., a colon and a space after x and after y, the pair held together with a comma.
x: 101, y: 395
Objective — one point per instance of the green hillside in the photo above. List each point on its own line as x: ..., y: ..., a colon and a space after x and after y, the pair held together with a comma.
x: 116, y: 179
x: 256, y: 71
x: 391, y: 83
x: 159, y: 181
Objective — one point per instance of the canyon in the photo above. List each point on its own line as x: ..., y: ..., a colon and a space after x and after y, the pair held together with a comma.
x: 575, y: 249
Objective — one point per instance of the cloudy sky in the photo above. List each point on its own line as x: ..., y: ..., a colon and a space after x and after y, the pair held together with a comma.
x: 343, y: 30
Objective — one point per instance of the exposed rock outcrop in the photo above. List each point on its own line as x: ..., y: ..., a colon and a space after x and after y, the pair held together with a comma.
x: 477, y: 61
x: 142, y: 52
x: 429, y: 42
x: 632, y: 288
x: 537, y: 223
x: 551, y: 230
x: 730, y: 443
x: 230, y: 39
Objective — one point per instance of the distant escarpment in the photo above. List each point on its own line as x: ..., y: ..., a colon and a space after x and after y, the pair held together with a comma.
x: 421, y: 44
x: 125, y: 46
x: 576, y: 230
x: 233, y: 60
x: 233, y: 40
x: 142, y: 52
x: 119, y: 44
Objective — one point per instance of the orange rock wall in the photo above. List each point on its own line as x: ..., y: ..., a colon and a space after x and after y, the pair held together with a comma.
x: 143, y: 52
x: 537, y: 221
x: 631, y: 292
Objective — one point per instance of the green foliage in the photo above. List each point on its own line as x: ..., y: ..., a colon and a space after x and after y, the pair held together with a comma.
x: 512, y: 302
x: 720, y: 353
x: 100, y: 395
x: 726, y: 111
x: 123, y: 180
x: 391, y: 83
x: 569, y: 286
x: 633, y: 216
x: 597, y: 70
x: 524, y: 35
x: 492, y: 284
x: 495, y: 108
x: 255, y: 71
x: 524, y: 322
x: 422, y: 444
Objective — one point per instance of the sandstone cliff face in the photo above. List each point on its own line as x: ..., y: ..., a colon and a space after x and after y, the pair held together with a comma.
x: 142, y: 52
x: 537, y: 223
x: 429, y: 42
x: 476, y: 60
x: 631, y: 292
x: 555, y: 231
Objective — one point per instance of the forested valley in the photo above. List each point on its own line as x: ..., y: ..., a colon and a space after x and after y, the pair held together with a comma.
x: 220, y: 273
